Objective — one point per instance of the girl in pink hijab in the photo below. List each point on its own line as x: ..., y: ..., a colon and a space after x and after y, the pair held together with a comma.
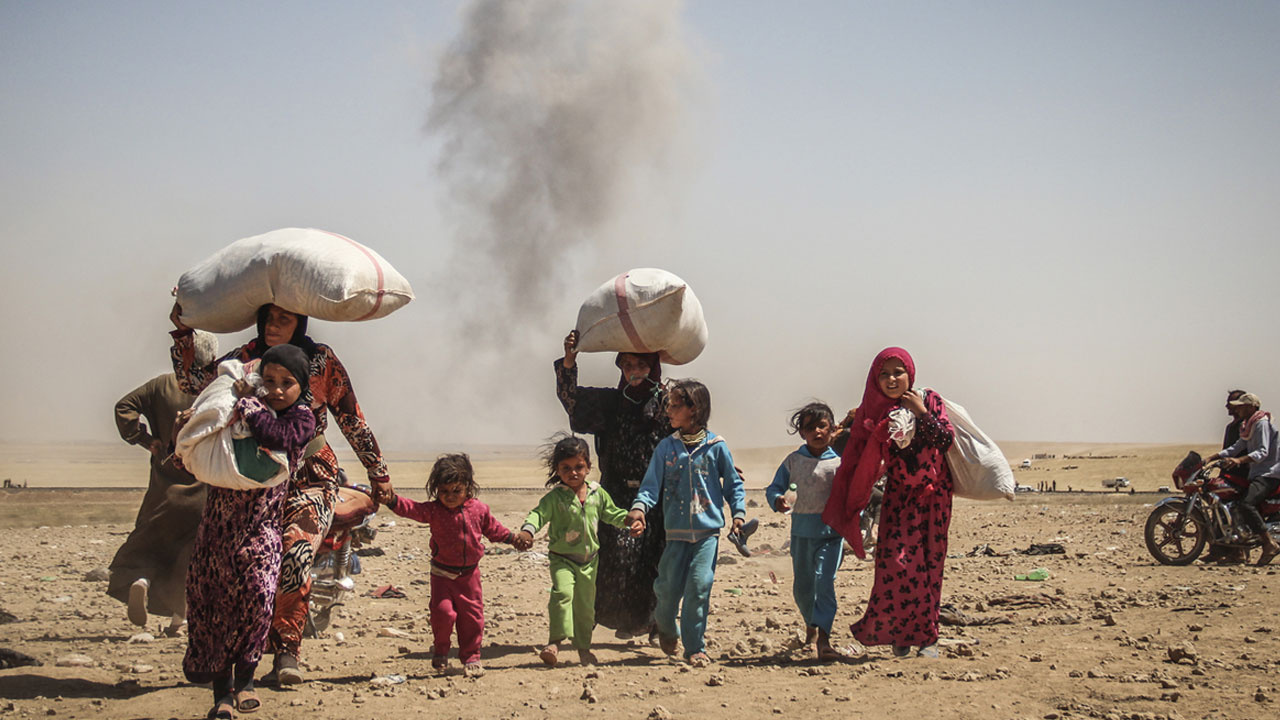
x: 903, y: 434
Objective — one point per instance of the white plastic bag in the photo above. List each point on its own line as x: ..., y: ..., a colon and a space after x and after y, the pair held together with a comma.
x: 313, y: 272
x: 642, y: 311
x: 205, y: 442
x: 978, y: 468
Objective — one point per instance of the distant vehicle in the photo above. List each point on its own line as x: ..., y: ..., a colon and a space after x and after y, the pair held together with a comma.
x: 1024, y: 488
x: 1117, y: 483
x: 1026, y: 464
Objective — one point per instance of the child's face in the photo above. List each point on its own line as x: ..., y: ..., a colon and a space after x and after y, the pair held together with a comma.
x: 283, y: 389
x: 452, y: 495
x: 818, y: 435
x: 894, y: 381
x: 573, y: 471
x: 680, y: 413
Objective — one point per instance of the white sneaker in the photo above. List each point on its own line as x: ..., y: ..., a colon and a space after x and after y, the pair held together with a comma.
x: 138, y: 602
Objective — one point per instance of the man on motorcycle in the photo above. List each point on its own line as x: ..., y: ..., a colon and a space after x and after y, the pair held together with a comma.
x: 1236, y: 476
x: 1259, y: 448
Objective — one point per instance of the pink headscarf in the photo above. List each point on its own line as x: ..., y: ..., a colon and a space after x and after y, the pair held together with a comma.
x: 865, y: 452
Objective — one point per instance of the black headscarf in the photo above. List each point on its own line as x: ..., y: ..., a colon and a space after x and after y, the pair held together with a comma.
x: 291, y: 358
x: 300, y: 338
x: 648, y: 395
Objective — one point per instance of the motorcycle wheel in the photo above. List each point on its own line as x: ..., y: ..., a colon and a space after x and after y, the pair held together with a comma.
x: 1175, y: 537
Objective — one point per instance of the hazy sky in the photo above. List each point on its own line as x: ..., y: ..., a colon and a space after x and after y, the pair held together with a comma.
x: 1068, y: 212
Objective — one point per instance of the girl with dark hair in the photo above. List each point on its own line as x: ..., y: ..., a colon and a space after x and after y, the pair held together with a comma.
x: 801, y: 488
x: 692, y: 475
x: 573, y: 509
x: 235, y: 561
x: 313, y: 490
x: 628, y: 422
x: 457, y: 521
x: 915, y: 513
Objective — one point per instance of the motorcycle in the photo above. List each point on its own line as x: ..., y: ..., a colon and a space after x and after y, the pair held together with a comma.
x: 336, y: 561
x: 1179, y: 528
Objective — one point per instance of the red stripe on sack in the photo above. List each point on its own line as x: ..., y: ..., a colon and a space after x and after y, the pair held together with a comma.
x: 376, y: 266
x: 624, y: 313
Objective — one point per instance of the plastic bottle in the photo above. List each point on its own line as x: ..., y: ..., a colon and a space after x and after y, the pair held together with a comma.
x: 790, y: 497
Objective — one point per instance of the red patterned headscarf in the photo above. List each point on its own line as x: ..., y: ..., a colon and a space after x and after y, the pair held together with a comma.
x: 865, y: 452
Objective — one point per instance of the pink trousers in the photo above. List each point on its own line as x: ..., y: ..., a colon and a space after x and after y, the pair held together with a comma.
x: 458, y: 602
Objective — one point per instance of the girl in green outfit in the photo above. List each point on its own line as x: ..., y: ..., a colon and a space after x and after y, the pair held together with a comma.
x: 572, y: 509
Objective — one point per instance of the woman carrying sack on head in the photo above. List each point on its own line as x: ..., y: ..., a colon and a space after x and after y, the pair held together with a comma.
x: 907, y: 433
x: 313, y: 489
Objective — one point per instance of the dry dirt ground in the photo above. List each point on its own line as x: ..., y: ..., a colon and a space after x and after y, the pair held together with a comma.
x: 1092, y: 641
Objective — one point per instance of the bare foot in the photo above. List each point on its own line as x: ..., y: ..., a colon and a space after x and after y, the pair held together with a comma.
x: 550, y: 654
x: 810, y: 634
x: 668, y: 644
x: 699, y: 660
x: 586, y: 657
x: 439, y: 662
x: 826, y: 653
x: 473, y: 669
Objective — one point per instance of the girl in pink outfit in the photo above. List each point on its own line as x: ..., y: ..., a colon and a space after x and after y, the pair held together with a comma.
x: 458, y: 521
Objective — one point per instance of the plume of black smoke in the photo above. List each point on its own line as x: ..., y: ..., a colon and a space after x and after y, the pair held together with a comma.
x: 548, y: 112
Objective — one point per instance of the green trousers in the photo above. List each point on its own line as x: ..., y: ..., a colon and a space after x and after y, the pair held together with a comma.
x: 572, y: 607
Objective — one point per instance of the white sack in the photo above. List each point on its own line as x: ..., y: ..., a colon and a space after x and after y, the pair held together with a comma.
x: 978, y: 468
x: 642, y: 311
x: 204, y: 444
x: 313, y: 272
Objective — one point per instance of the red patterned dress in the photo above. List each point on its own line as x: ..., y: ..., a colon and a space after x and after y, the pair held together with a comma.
x: 912, y: 542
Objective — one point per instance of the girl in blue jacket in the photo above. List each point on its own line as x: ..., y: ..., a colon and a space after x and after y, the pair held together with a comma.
x: 692, y: 473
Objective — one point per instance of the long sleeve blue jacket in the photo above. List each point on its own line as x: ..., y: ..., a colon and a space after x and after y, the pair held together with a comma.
x: 693, y: 484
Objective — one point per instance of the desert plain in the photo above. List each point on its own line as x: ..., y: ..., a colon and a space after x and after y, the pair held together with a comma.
x: 1110, y: 634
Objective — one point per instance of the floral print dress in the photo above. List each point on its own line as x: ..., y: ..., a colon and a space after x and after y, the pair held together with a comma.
x: 235, y: 563
x: 911, y: 546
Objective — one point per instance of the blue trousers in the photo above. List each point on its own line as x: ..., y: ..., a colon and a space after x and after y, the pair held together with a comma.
x: 685, y: 573
x: 814, y: 562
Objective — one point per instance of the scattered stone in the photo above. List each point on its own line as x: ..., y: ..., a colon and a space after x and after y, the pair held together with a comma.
x: 589, y: 693
x: 7, y: 617
x: 660, y: 713
x: 394, y: 633
x: 142, y: 637
x: 75, y: 660
x: 715, y: 681
x: 100, y: 574
x: 1183, y: 651
x: 140, y: 668
x: 1260, y: 695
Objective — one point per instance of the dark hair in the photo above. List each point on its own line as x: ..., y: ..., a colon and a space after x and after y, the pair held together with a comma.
x: 810, y: 415
x: 696, y: 396
x: 563, y: 446
x: 451, y: 468
x: 1234, y: 394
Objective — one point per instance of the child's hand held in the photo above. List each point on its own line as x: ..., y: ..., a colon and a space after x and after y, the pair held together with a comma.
x: 635, y: 522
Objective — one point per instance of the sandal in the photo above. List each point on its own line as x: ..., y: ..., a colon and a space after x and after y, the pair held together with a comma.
x: 901, y: 650
x: 699, y: 660
x: 1268, y: 554
x: 928, y: 651
x: 247, y: 701
x: 221, y: 709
